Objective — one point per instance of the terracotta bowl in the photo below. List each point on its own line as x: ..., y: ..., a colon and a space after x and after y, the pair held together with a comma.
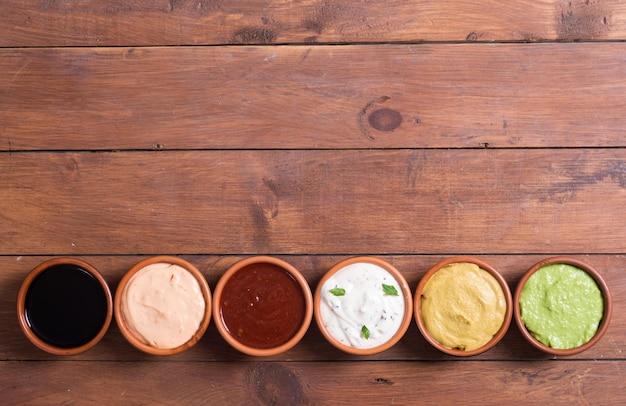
x: 262, y: 306
x: 507, y: 315
x: 125, y: 325
x: 54, y: 311
x: 602, y: 285
x: 355, y: 342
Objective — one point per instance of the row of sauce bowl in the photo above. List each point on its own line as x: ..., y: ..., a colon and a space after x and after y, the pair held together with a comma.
x: 263, y: 306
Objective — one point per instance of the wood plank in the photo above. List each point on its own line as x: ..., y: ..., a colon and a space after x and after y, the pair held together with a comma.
x: 404, y: 96
x: 15, y: 347
x: 303, y: 383
x: 445, y: 127
x: 175, y: 22
x: 313, y: 202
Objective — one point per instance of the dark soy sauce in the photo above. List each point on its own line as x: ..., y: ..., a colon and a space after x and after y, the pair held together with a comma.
x: 66, y: 306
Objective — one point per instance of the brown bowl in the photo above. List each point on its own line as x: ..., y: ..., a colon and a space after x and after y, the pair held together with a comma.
x: 158, y: 343
x: 262, y: 306
x: 602, y: 285
x: 507, y: 314
x: 356, y: 340
x: 64, y: 306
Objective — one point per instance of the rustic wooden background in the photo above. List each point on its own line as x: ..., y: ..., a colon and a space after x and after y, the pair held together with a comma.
x: 313, y: 131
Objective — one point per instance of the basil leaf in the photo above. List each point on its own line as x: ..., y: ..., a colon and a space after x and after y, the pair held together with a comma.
x: 365, y: 332
x: 390, y: 290
x: 338, y: 291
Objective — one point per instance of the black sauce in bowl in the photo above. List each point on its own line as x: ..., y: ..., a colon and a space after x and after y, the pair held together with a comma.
x: 66, y: 306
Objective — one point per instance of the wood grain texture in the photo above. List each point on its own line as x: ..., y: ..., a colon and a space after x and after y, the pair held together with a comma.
x: 312, y: 130
x: 313, y: 202
x: 290, y: 97
x: 181, y: 22
x: 297, y: 383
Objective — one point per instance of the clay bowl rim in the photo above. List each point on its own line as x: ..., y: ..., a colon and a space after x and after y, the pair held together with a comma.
x: 408, y: 306
x: 308, y: 310
x: 21, y: 306
x: 508, y: 315
x: 204, y: 288
x: 602, y: 285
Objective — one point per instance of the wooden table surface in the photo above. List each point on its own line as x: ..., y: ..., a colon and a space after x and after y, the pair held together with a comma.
x: 216, y: 130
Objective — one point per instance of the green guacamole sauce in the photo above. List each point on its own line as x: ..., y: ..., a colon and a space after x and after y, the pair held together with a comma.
x: 562, y: 306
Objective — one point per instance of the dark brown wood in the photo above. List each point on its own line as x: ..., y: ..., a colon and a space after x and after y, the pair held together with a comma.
x: 313, y: 202
x: 176, y: 22
x: 312, y: 131
x: 290, y: 97
x: 298, y: 383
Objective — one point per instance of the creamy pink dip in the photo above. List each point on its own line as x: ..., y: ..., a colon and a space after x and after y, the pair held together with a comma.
x: 163, y: 305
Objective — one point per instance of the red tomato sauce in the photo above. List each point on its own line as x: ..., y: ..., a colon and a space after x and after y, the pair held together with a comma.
x: 262, y: 306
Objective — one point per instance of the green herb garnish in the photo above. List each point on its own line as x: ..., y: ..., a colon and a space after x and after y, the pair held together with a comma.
x: 338, y: 291
x: 390, y: 290
x: 365, y: 332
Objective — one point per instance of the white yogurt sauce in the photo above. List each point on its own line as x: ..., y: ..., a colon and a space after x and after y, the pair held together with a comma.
x: 364, y: 303
x: 163, y: 305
